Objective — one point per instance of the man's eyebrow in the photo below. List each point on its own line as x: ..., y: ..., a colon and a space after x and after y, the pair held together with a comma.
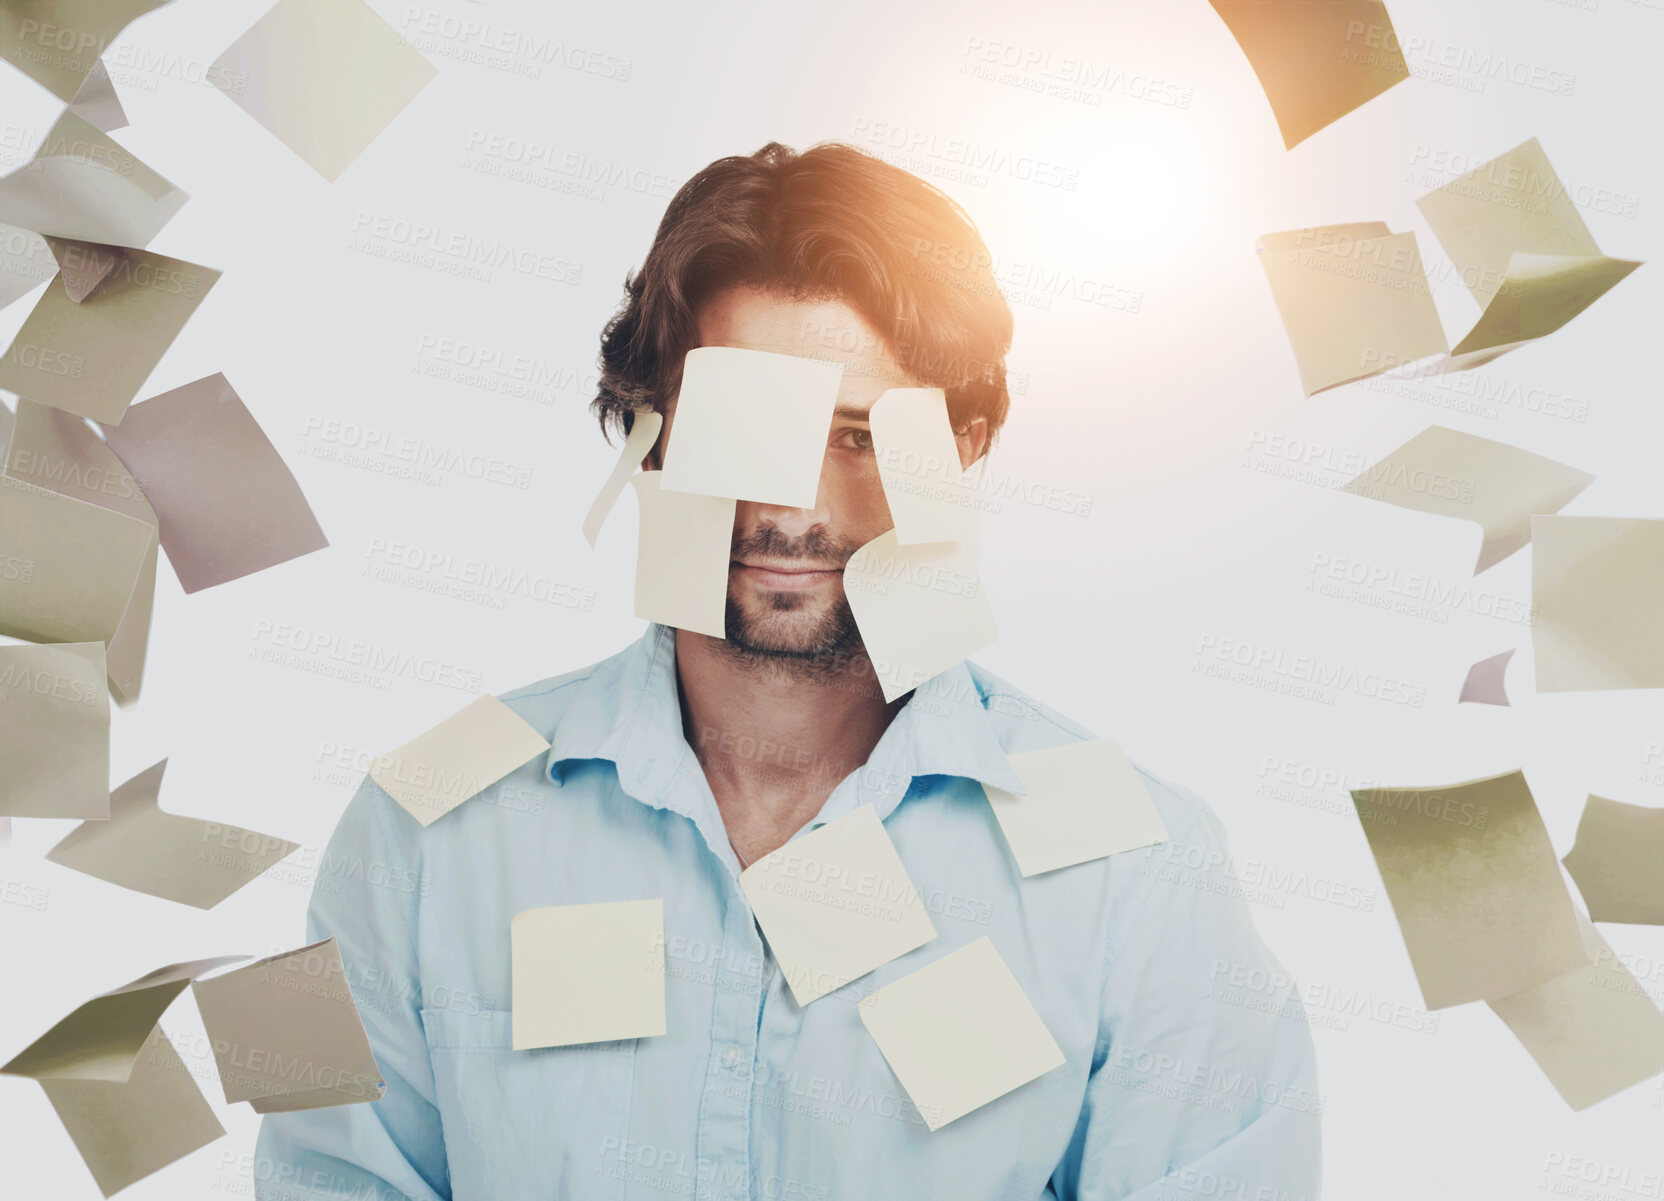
x: 849, y: 413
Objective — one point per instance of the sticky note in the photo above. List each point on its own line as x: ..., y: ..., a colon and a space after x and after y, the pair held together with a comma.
x: 959, y: 1033
x: 588, y: 973
x: 835, y: 904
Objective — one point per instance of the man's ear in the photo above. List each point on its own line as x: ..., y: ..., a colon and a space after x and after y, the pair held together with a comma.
x: 973, y: 441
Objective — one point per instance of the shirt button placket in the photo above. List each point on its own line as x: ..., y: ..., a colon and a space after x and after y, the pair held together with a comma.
x: 725, y: 1112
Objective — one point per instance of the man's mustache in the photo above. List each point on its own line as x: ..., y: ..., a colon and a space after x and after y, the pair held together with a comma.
x: 767, y: 542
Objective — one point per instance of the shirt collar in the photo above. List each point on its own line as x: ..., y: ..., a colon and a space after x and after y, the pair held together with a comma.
x: 628, y: 711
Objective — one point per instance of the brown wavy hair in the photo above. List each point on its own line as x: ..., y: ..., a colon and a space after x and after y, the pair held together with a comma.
x: 830, y: 222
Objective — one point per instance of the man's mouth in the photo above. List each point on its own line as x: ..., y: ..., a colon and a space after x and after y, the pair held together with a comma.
x: 786, y: 574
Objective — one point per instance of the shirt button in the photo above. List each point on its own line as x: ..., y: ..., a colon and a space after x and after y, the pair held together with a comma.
x: 731, y: 1058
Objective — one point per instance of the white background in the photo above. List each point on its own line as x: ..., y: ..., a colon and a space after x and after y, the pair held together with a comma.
x: 1166, y: 418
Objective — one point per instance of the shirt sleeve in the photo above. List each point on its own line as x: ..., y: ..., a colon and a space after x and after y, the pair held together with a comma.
x: 366, y: 895
x: 1204, y: 1078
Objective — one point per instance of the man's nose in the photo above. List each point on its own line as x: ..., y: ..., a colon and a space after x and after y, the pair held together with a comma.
x: 793, y: 523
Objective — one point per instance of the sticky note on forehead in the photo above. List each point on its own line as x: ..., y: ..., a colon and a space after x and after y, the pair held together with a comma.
x: 751, y: 425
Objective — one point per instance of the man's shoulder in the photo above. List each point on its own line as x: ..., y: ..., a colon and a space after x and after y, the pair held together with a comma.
x: 543, y: 703
x: 1023, y: 722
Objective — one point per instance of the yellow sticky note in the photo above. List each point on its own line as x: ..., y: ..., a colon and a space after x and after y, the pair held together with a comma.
x: 588, y: 973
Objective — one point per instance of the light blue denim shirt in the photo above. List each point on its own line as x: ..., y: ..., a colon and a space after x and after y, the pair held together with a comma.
x: 1189, y: 1070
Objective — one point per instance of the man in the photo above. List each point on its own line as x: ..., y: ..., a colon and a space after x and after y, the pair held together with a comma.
x: 684, y: 758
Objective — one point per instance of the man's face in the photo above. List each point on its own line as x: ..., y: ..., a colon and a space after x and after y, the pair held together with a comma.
x: 785, y: 578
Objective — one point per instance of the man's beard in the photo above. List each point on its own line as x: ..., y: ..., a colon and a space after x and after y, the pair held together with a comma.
x: 820, y: 649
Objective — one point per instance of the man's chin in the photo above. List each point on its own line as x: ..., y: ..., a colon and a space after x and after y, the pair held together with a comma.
x: 801, y: 632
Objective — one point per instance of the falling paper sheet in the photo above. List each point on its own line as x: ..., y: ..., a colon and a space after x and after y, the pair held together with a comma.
x: 835, y: 904
x: 929, y: 496
x: 54, y: 731
x: 324, y: 76
x: 182, y: 859
x: 286, y: 1033
x: 644, y: 431
x: 461, y: 756
x: 1484, y: 685
x: 1515, y: 236
x: 1594, y: 1031
x: 97, y: 103
x: 1616, y: 859
x: 1081, y: 801
x: 57, y: 42
x: 959, y: 1033
x: 751, y: 425
x: 588, y: 973
x: 84, y: 265
x: 92, y: 357
x: 125, y: 1131
x: 25, y: 262
x: 1475, y: 886
x: 683, y: 549
x: 1453, y: 474
x: 1595, y: 588
x: 1316, y: 60
x: 68, y: 569
x: 56, y: 450
x: 919, y: 609
x: 81, y: 184
x: 103, y: 1037
x: 226, y: 502
x: 1353, y: 299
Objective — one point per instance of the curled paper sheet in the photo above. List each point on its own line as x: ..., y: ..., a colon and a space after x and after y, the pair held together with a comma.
x: 1353, y: 299
x: 682, y: 555
x: 1522, y: 249
x: 959, y: 1033
x: 920, y: 609
x: 751, y: 425
x: 226, y: 503
x: 1594, y: 1031
x: 57, y: 451
x: 929, y: 496
x: 1081, y: 801
x: 457, y: 759
x: 92, y: 357
x: 96, y: 102
x: 324, y: 76
x: 1475, y: 886
x: 57, y: 43
x: 1484, y: 685
x: 588, y: 973
x: 25, y: 262
x: 125, y: 1131
x: 55, y: 739
x: 1616, y: 859
x: 84, y: 265
x: 68, y: 568
x: 83, y: 185
x: 1595, y: 584
x: 286, y: 1032
x: 801, y: 894
x: 102, y: 1038
x: 1317, y: 60
x: 644, y: 431
x: 1453, y: 474
x: 182, y: 859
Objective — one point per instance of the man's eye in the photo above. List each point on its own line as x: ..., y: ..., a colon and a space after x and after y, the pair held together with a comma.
x: 854, y: 439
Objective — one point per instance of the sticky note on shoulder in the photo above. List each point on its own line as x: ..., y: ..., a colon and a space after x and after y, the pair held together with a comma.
x: 1082, y: 801
x: 460, y: 757
x: 588, y: 973
x: 960, y: 1033
x: 835, y: 904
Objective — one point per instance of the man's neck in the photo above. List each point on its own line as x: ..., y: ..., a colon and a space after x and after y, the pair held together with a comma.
x: 774, y: 741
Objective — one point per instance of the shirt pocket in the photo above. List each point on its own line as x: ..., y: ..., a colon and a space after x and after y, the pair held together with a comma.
x: 540, y: 1123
